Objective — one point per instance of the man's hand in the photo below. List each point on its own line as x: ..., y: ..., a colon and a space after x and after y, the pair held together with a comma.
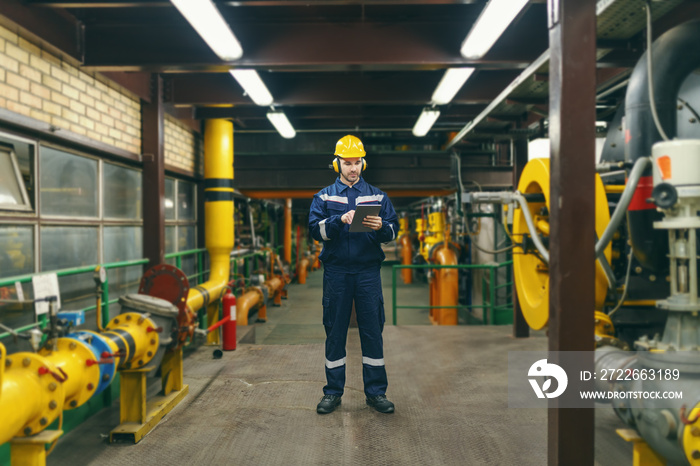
x: 347, y: 217
x: 372, y: 221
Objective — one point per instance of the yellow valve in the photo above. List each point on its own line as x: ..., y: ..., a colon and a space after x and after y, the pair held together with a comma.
x: 78, y: 362
x: 136, y: 336
x: 32, y: 395
x: 531, y: 274
x: 603, y: 325
x: 691, y: 436
x: 3, y: 356
x: 403, y: 226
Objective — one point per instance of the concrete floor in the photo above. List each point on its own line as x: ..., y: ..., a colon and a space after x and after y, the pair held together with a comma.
x: 256, y: 405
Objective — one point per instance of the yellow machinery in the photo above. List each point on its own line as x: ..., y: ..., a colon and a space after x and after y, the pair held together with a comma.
x: 531, y: 271
x: 406, y: 247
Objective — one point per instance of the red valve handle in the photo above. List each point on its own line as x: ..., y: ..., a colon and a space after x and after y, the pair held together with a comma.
x: 61, y: 378
x: 684, y: 418
x: 157, y: 329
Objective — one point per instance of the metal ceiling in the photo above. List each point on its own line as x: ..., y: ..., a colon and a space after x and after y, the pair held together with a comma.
x: 348, y: 65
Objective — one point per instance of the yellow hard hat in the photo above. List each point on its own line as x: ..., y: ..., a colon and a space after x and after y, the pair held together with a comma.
x: 349, y: 146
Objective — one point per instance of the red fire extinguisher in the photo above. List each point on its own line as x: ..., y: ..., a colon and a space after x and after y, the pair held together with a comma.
x: 229, y: 328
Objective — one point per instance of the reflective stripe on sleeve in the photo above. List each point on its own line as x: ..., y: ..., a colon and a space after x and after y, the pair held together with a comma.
x: 370, y: 361
x: 393, y: 235
x: 322, y: 226
x: 334, y: 364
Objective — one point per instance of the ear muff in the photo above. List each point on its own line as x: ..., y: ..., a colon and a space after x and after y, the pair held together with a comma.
x: 336, y: 164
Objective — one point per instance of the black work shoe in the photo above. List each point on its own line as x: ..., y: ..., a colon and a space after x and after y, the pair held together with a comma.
x: 328, y: 404
x: 381, y: 404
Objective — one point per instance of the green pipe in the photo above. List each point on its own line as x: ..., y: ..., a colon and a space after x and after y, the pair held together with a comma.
x: 493, y: 295
x: 393, y: 294
x: 20, y: 329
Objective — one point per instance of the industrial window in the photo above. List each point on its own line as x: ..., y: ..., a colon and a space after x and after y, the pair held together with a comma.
x: 122, y: 192
x: 16, y: 250
x: 123, y: 243
x: 181, y: 221
x: 68, y: 184
x: 13, y: 195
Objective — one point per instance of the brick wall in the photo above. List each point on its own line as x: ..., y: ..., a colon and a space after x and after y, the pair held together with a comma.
x: 40, y: 85
x: 180, y: 145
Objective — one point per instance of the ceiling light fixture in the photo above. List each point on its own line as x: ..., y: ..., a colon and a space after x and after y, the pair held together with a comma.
x: 426, y: 120
x: 494, y: 19
x: 253, y: 86
x: 206, y: 19
x: 281, y: 123
x: 451, y: 82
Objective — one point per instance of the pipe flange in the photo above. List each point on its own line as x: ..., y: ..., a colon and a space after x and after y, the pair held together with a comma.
x: 79, y: 362
x: 140, y: 334
x: 100, y: 346
x: 49, y: 379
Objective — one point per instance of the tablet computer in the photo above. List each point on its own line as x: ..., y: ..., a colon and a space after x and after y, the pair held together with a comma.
x: 361, y: 211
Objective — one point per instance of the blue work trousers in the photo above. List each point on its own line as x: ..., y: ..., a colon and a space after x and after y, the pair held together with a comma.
x: 339, y: 291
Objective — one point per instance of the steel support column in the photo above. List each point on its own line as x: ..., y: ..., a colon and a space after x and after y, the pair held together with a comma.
x: 153, y: 177
x: 572, y: 42
x: 520, y: 154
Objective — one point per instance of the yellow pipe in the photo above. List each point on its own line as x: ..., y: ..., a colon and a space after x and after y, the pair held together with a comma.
x: 288, y: 231
x: 302, y: 269
x: 275, y: 285
x: 218, y: 212
x: 406, y: 257
x: 72, y: 358
x: 31, y: 397
x: 3, y: 356
x: 244, y: 304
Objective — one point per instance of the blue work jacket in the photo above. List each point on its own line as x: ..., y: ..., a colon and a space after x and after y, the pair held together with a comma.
x: 344, y: 251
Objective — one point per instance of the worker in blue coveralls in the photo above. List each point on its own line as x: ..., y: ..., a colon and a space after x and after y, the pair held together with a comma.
x: 351, y: 263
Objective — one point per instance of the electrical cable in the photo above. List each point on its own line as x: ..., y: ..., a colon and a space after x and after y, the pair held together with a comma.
x: 627, y: 280
x: 650, y: 77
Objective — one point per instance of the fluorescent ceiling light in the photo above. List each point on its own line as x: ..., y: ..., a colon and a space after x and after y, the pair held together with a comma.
x: 494, y: 19
x: 451, y: 82
x: 281, y: 123
x: 206, y: 19
x: 425, y: 121
x: 253, y: 86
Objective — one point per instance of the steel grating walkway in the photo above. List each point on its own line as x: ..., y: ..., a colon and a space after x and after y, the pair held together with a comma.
x: 256, y: 406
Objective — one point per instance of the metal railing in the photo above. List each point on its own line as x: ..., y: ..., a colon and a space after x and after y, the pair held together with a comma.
x: 106, y: 301
x: 489, y: 307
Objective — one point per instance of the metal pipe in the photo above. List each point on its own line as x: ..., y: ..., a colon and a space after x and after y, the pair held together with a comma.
x: 302, y: 269
x: 635, y: 175
x: 531, y: 226
x: 406, y: 257
x: 288, y: 231
x: 218, y: 212
x: 447, y: 284
x: 247, y: 302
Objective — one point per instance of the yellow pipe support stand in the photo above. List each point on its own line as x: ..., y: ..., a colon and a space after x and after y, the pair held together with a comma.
x: 31, y: 451
x: 139, y: 416
x: 218, y: 212
x: 32, y: 395
x: 642, y: 454
x: 212, y: 318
